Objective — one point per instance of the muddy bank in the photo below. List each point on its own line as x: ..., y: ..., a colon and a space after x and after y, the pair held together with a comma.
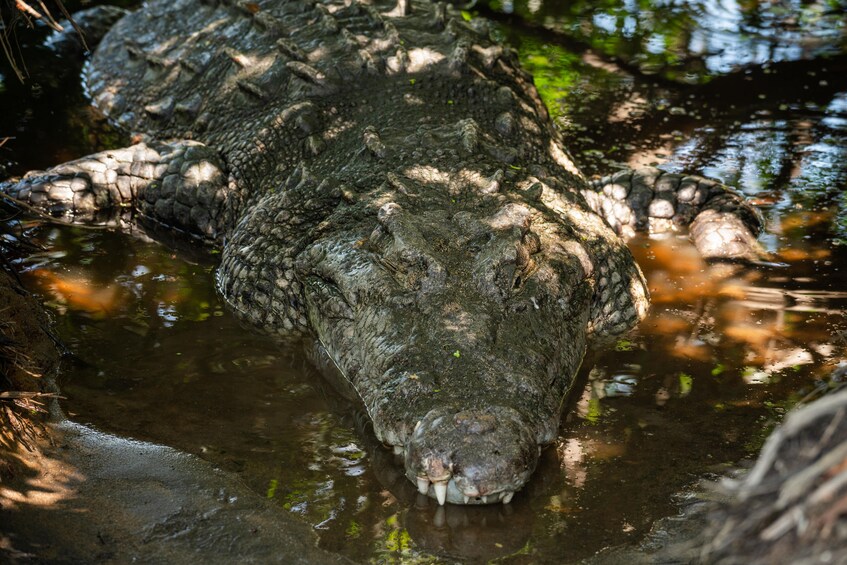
x: 92, y: 498
x: 28, y: 361
x: 70, y: 494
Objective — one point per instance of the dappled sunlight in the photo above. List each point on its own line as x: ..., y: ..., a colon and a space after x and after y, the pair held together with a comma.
x: 427, y: 174
x: 78, y: 292
x: 562, y: 158
x: 572, y: 457
x: 460, y: 322
x: 590, y: 58
x: 723, y: 352
x: 702, y: 311
x: 42, y: 481
x: 477, y: 182
x: 628, y: 109
x: 465, y: 182
x: 691, y: 41
x: 246, y: 61
x: 204, y: 171
x: 210, y: 28
x: 650, y: 156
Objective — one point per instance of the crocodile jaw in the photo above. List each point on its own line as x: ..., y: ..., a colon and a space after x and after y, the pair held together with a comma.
x: 475, y: 456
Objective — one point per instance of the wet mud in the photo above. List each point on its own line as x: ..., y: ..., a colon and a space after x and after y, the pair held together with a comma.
x: 89, y: 497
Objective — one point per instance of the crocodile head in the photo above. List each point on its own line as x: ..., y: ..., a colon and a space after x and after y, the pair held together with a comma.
x: 461, y: 331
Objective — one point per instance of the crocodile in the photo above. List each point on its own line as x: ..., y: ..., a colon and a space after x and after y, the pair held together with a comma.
x: 383, y: 180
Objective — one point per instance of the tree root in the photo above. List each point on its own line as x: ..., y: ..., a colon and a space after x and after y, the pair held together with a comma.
x: 792, y: 506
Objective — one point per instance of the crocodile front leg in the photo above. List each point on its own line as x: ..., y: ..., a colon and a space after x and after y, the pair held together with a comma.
x: 181, y: 184
x: 722, y: 224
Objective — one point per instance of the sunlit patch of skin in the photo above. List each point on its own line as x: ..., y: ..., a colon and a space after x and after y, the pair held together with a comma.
x: 202, y: 171
x: 420, y: 59
x: 562, y: 158
x: 427, y: 174
x: 245, y: 61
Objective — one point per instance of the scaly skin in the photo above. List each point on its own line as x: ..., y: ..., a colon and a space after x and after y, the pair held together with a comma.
x: 384, y: 179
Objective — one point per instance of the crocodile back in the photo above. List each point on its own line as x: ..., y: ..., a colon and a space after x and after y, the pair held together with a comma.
x: 271, y: 85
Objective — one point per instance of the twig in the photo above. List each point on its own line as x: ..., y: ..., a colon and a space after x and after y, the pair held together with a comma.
x: 793, y: 425
x: 74, y: 24
x: 52, y: 22
x: 48, y: 19
x: 6, y: 45
x: 799, y: 485
x: 26, y: 9
x: 14, y: 394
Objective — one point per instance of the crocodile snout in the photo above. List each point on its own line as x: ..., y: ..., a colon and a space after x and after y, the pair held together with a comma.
x: 471, y: 456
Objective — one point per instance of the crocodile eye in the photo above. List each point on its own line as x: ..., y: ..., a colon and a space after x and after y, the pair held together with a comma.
x: 411, y: 269
x: 405, y: 254
x: 508, y: 274
x: 505, y: 264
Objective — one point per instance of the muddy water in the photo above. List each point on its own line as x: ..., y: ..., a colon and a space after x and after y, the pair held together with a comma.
x: 695, y: 388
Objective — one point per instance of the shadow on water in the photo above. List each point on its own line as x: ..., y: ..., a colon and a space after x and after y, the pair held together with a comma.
x: 724, y: 352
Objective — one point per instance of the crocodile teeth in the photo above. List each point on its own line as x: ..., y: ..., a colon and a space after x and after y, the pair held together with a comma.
x: 508, y: 498
x: 485, y: 499
x: 501, y: 495
x: 467, y: 498
x: 398, y: 450
x: 441, y: 492
x: 423, y: 485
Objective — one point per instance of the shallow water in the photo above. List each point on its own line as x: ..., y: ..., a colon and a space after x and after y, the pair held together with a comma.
x: 690, y: 42
x: 694, y: 389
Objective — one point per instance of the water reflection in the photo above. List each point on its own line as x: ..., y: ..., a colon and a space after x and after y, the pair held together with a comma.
x: 693, y: 41
x: 723, y: 351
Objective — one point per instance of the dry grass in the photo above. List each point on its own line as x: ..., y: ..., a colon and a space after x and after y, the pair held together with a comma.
x: 21, y: 411
x: 27, y: 352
